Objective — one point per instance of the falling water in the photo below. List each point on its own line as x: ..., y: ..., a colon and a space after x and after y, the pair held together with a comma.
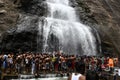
x: 62, y: 22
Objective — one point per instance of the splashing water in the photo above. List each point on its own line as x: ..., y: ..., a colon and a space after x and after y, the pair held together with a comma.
x: 62, y: 22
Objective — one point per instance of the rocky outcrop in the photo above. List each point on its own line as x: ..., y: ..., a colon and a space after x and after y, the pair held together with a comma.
x: 23, y: 33
x: 11, y: 9
x: 1, y: 3
x: 36, y: 7
x: 8, y: 15
x: 23, y: 37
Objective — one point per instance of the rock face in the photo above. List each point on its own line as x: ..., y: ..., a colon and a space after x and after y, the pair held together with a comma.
x: 24, y: 34
x: 103, y: 15
x: 8, y: 15
x: 35, y: 7
x: 22, y: 37
x: 106, y: 13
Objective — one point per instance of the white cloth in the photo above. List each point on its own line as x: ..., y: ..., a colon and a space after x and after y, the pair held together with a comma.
x: 5, y: 56
x: 11, y: 60
x: 75, y: 77
x: 33, y: 68
x: 118, y: 72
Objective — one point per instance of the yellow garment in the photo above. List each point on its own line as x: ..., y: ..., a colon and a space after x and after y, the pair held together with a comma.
x: 53, y: 59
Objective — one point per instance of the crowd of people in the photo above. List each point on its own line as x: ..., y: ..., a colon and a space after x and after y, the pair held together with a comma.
x: 33, y: 63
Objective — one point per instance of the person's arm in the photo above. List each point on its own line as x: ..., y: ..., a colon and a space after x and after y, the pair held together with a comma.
x: 69, y: 78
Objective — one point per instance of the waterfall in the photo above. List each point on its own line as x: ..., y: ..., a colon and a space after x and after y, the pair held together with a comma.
x: 63, y: 23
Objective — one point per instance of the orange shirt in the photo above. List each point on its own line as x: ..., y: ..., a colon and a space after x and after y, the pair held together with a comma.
x: 111, y: 62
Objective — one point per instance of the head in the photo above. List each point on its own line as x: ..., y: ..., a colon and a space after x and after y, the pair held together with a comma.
x: 80, y: 67
x: 92, y: 75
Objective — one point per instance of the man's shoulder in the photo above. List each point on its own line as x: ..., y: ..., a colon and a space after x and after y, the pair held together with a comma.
x: 82, y: 77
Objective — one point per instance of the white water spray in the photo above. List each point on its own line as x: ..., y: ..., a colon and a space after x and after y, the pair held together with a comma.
x: 62, y: 22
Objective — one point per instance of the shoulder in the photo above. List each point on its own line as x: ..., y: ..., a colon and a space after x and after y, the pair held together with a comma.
x: 82, y: 77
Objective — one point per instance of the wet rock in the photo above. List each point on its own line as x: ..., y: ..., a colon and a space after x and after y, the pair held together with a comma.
x: 106, y: 15
x: 23, y: 36
x: 8, y: 15
x: 21, y: 31
x: 3, y: 11
x: 1, y: 3
x: 35, y: 7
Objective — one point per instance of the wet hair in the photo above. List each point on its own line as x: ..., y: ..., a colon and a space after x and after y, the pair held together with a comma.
x: 91, y: 75
x: 80, y: 67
